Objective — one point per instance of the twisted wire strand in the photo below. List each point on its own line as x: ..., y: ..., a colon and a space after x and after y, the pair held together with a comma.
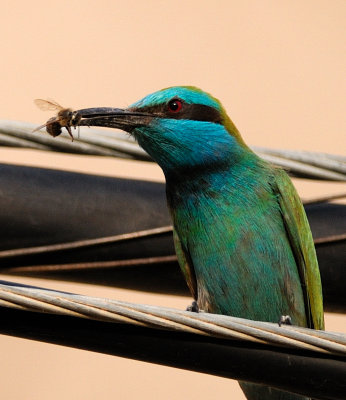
x: 118, y: 144
x: 323, y: 160
x: 76, y: 244
x: 82, y: 266
x: 101, y: 241
x: 218, y: 326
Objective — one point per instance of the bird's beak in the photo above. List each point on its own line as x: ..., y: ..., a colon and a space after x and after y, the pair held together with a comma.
x: 117, y: 118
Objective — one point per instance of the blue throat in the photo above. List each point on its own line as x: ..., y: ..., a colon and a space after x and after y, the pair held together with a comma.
x: 186, y: 148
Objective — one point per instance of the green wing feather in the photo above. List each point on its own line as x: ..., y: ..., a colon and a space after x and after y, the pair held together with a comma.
x: 300, y: 236
x: 186, y: 265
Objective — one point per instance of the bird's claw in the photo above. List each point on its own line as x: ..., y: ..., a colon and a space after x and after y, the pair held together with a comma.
x: 285, y: 320
x: 193, y: 307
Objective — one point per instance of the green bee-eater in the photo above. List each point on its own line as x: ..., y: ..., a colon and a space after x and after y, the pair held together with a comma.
x: 241, y: 234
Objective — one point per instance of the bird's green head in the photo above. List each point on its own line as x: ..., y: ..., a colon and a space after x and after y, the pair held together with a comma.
x: 180, y: 127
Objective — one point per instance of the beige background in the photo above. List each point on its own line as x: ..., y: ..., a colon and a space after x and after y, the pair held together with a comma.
x: 276, y: 66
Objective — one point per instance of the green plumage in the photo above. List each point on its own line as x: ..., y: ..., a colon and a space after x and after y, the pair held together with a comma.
x: 246, y: 250
x: 241, y: 234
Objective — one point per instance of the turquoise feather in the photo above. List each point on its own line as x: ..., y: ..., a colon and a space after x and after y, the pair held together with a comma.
x: 241, y: 235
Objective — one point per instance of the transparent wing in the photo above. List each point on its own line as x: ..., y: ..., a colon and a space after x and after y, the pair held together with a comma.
x: 49, y: 122
x: 48, y: 105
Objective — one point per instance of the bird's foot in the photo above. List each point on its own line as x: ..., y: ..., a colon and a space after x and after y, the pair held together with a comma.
x: 285, y: 320
x: 193, y: 307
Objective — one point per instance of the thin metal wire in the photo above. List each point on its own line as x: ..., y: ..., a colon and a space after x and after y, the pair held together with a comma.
x: 321, y: 160
x: 330, y: 239
x: 325, y: 199
x: 92, y: 265
x: 49, y: 301
x: 304, y: 169
x: 100, y: 241
x: 85, y: 243
x: 117, y: 144
x: 23, y: 131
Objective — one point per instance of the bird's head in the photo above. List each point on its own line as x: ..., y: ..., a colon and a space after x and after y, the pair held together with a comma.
x: 181, y: 127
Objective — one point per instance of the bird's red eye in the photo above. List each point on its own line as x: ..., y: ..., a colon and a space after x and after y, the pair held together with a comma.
x: 175, y: 106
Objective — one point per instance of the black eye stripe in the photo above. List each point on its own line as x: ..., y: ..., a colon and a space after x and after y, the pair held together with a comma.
x: 195, y: 112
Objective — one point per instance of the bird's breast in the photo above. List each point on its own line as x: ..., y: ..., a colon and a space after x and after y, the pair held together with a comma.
x: 241, y: 256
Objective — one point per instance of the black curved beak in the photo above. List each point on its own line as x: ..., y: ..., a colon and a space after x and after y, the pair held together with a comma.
x: 109, y: 117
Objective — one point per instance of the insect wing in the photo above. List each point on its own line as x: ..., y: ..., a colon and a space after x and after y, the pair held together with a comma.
x: 48, y: 105
x: 49, y: 122
x: 39, y: 127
